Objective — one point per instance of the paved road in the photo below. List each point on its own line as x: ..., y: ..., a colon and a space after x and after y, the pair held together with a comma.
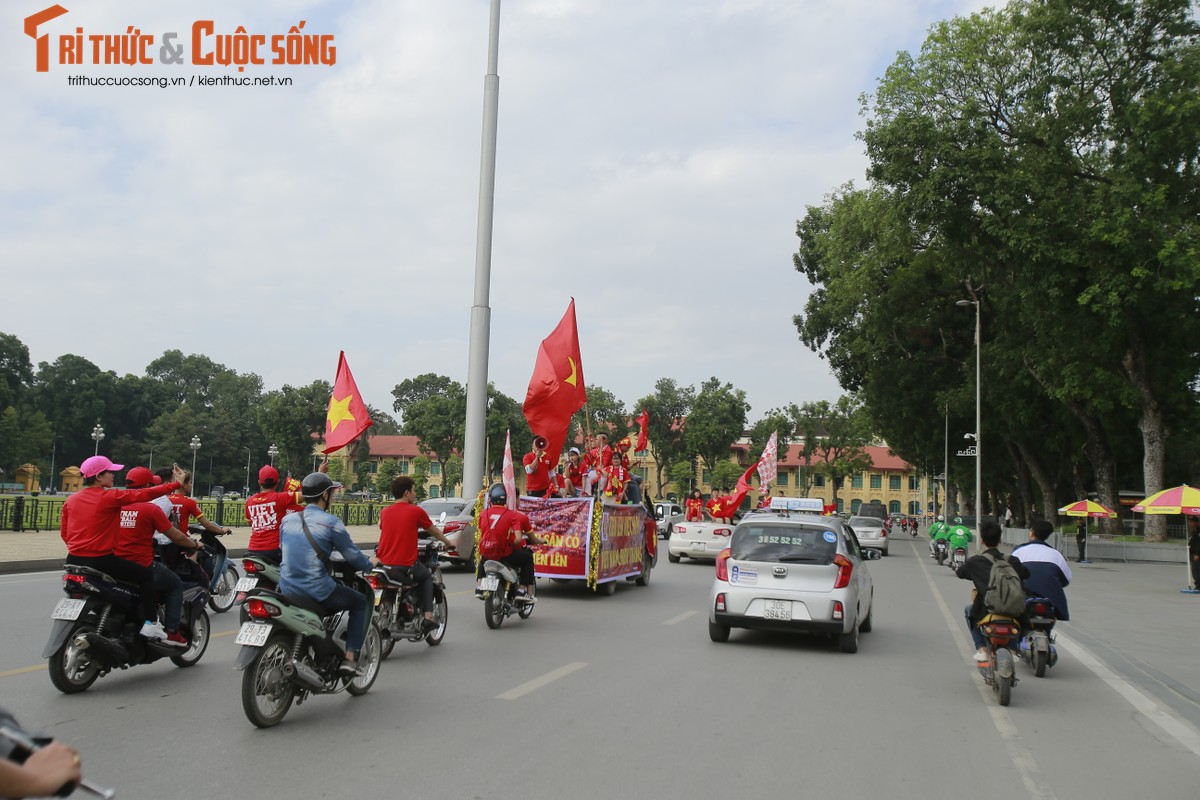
x: 599, y: 697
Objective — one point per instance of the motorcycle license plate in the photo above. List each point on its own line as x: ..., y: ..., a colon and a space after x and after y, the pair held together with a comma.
x: 778, y: 609
x: 378, y: 596
x: 490, y: 583
x: 68, y: 609
x: 246, y: 584
x: 253, y: 634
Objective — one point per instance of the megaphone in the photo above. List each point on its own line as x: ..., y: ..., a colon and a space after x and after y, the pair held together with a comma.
x: 540, y: 443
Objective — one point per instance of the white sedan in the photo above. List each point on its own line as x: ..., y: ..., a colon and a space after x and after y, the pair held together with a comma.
x: 702, y: 540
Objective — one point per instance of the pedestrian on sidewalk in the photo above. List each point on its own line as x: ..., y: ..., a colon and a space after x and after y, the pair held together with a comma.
x: 1081, y: 540
x: 1194, y: 549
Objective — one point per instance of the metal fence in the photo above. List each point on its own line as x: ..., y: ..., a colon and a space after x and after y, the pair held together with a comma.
x: 22, y: 513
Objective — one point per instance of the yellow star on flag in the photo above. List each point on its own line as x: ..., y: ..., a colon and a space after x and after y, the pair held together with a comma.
x: 339, y: 410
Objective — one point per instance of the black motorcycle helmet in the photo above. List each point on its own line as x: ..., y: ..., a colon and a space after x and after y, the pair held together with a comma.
x: 316, y: 484
x: 497, y: 496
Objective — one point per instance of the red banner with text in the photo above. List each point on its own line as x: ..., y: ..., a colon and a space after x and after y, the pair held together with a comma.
x: 565, y: 524
x: 622, y: 541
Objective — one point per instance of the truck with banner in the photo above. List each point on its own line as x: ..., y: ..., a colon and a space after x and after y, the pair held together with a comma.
x: 594, y: 542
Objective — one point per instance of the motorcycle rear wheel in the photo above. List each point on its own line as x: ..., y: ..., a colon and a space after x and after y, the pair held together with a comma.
x: 197, y: 644
x: 368, y: 664
x: 1039, y: 663
x: 493, y: 609
x: 441, y: 614
x: 383, y: 616
x: 1002, y: 684
x: 64, y: 666
x: 223, y: 598
x: 266, y: 694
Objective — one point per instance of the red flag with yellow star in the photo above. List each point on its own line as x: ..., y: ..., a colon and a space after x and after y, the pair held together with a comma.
x: 556, y: 390
x: 347, y: 416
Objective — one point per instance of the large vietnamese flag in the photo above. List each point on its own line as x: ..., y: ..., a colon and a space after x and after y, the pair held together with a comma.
x: 556, y: 390
x: 347, y: 416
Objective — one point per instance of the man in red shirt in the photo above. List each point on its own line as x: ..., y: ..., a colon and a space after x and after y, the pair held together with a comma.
x: 90, y: 521
x: 265, y: 511
x: 186, y: 508
x: 400, y: 525
x: 600, y: 459
x: 135, y: 542
x: 502, y: 537
x: 537, y: 469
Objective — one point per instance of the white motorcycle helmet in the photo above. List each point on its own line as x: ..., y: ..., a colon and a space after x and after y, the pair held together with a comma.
x: 941, y: 518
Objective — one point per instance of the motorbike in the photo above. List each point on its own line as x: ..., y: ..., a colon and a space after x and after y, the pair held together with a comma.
x: 998, y: 671
x: 18, y: 744
x: 260, y: 574
x: 1037, y: 647
x: 96, y: 628
x: 912, y: 528
x: 499, y: 587
x: 292, y: 647
x: 958, y: 558
x: 940, y: 550
x: 398, y: 612
x: 214, y: 560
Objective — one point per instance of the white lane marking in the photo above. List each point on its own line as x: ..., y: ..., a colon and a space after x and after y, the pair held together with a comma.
x: 33, y: 577
x: 538, y: 683
x: 1178, y: 729
x: 1018, y: 753
x: 681, y: 617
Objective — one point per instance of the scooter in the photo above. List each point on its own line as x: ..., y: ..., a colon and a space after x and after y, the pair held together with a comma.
x: 958, y: 558
x: 940, y: 550
x: 398, y: 603
x: 220, y: 574
x: 999, y: 631
x: 293, y: 647
x: 1037, y: 647
x: 500, y: 599
x: 260, y: 574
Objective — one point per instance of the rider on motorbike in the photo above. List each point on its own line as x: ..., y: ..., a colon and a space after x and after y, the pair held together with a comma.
x: 303, y: 571
x: 399, y: 527
x: 135, y: 542
x: 978, y: 570
x: 90, y: 522
x: 1049, y: 573
x: 938, y: 530
x: 509, y: 530
x: 265, y: 511
x: 959, y: 535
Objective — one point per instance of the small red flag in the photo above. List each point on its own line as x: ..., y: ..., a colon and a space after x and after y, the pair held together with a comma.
x: 556, y: 390
x: 643, y: 422
x: 347, y: 416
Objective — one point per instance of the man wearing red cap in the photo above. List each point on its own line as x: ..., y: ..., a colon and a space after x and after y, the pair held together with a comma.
x: 90, y: 521
x: 135, y: 542
x: 186, y: 508
x: 265, y: 511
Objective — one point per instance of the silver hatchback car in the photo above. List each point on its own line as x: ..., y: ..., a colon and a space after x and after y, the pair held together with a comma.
x: 802, y: 573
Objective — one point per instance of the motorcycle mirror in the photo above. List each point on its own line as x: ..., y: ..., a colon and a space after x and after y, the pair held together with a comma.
x: 441, y: 518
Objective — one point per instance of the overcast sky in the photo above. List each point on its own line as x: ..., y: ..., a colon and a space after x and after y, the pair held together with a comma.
x: 653, y: 159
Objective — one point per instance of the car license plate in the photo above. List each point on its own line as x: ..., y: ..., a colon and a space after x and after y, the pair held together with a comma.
x: 778, y: 609
x: 699, y: 546
x: 246, y: 584
x: 68, y: 609
x: 490, y: 583
x: 253, y: 634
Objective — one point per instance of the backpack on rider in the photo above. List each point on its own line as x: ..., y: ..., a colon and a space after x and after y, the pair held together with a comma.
x: 1005, y: 592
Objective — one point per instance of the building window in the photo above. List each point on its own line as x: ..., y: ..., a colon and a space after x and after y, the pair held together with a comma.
x: 914, y: 483
x: 374, y: 467
x: 914, y: 507
x: 894, y: 507
x: 435, y: 468
x: 855, y: 504
x: 705, y: 476
x: 403, y: 467
x: 435, y: 490
x: 782, y: 478
x: 818, y: 481
x: 856, y: 483
x: 894, y: 483
x: 876, y: 481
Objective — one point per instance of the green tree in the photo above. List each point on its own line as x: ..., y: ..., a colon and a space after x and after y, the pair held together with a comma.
x: 434, y: 409
x: 388, y: 470
x: 668, y: 407
x: 839, y: 448
x: 74, y: 395
x: 16, y: 371
x: 293, y: 419
x: 420, y: 474
x: 718, y: 419
x: 603, y: 413
x: 25, y: 437
x: 683, y: 476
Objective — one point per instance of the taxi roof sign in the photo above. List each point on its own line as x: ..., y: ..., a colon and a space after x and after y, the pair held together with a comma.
x: 812, y: 505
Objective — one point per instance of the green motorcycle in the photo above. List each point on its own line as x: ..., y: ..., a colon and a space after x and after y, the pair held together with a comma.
x: 292, y: 647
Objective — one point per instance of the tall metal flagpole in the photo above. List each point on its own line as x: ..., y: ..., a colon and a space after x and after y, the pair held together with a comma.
x: 481, y: 313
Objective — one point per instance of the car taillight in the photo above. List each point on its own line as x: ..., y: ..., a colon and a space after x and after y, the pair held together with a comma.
x: 250, y: 567
x: 452, y: 526
x: 260, y: 609
x: 844, y: 569
x: 723, y: 565
x: 839, y: 612
x: 681, y: 528
x: 883, y: 533
x: 722, y: 531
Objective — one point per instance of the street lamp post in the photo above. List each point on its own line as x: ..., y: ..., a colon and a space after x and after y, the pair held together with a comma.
x: 151, y: 466
x: 978, y: 427
x: 97, y: 435
x: 247, y: 491
x: 195, y: 445
x: 272, y: 451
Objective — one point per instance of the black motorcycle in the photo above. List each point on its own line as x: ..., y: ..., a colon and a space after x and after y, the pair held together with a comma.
x: 398, y: 612
x: 18, y: 744
x: 96, y: 627
x: 500, y: 599
x: 941, y: 549
x: 1037, y: 646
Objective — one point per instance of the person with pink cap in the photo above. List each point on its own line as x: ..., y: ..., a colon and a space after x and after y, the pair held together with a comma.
x: 265, y: 511
x: 90, y: 522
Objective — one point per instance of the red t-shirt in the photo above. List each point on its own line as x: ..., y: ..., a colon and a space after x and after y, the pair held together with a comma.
x: 575, y: 475
x: 399, y: 524
x: 509, y: 526
x: 186, y: 507
x: 692, y: 509
x: 539, y: 479
x: 90, y: 517
x: 135, y: 532
x: 265, y: 511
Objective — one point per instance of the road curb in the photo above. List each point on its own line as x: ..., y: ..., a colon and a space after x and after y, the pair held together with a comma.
x: 49, y: 564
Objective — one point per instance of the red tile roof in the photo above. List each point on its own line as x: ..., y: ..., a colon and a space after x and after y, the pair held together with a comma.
x: 882, y: 458
x: 397, y: 447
